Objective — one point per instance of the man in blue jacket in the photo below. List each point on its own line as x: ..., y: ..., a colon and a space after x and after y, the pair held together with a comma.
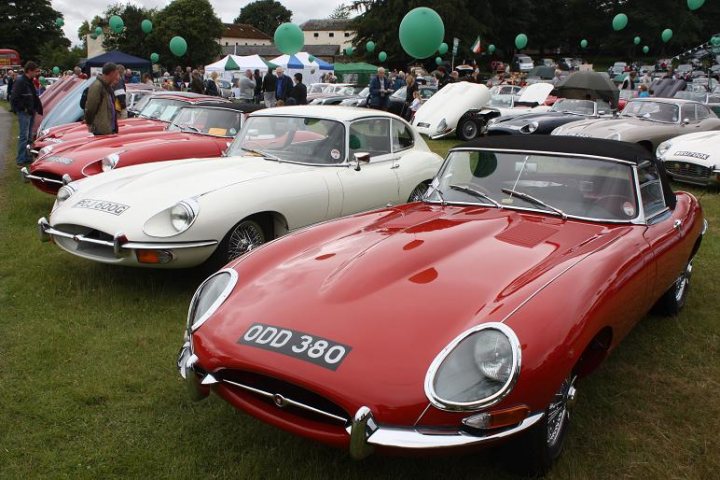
x: 283, y: 85
x: 380, y: 90
x: 25, y: 103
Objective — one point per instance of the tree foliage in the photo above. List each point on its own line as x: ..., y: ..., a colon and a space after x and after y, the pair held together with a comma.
x: 265, y: 15
x: 28, y: 25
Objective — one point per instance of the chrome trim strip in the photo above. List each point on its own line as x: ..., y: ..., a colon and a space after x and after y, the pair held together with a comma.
x: 541, y: 152
x: 216, y: 304
x: 705, y: 227
x: 282, y: 401
x: 411, y: 438
x: 493, y: 399
x: 28, y: 176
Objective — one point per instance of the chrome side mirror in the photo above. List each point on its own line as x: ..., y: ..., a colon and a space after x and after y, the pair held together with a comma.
x: 361, y: 157
x: 686, y: 121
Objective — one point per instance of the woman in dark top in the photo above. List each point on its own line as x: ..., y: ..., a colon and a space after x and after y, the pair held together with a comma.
x: 412, y: 87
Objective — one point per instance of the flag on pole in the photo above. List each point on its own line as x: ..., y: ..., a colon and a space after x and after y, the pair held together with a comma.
x: 477, y: 47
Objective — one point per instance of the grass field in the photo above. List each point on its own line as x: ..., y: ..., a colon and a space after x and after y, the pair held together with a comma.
x: 88, y: 387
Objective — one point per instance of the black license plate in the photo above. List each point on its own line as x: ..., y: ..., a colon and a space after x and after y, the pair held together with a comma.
x: 310, y: 348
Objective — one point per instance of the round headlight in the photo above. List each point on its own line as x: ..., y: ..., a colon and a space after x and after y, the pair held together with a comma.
x: 476, y: 370
x: 530, y: 127
x: 110, y: 162
x: 614, y: 136
x: 65, y: 192
x: 45, y: 150
x: 663, y: 148
x: 44, y: 132
x: 182, y: 215
x: 209, y: 296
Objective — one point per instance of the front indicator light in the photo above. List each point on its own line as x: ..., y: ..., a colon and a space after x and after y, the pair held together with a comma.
x: 497, y: 419
x: 154, y: 256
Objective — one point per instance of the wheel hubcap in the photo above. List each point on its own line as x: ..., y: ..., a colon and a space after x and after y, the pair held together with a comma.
x: 559, y: 410
x: 469, y: 129
x: 243, y: 239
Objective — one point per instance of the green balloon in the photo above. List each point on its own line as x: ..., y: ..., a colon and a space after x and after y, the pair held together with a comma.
x: 421, y: 32
x: 93, y: 36
x: 311, y: 58
x: 349, y: 51
x: 382, y: 56
x: 521, y: 41
x: 619, y: 22
x: 715, y: 40
x: 666, y: 35
x: 646, y: 49
x: 56, y: 70
x: 289, y: 39
x: 116, y: 24
x: 370, y: 46
x: 695, y: 4
x: 491, y: 48
x: 98, y: 31
x: 583, y: 43
x: 438, y: 60
x: 443, y: 48
x: 178, y: 46
x: 637, y: 40
x: 146, y: 26
x: 154, y: 57
x: 59, y: 22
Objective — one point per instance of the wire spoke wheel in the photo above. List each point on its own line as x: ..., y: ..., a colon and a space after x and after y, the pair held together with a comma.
x: 683, y: 282
x: 418, y: 193
x: 246, y: 236
x: 558, y: 412
x: 468, y: 130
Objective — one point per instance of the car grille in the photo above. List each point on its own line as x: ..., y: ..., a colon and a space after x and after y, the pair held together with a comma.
x: 302, y: 402
x: 85, y: 248
x: 690, y: 170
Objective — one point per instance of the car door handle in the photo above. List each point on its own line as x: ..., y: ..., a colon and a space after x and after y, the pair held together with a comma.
x: 395, y: 165
x: 677, y: 224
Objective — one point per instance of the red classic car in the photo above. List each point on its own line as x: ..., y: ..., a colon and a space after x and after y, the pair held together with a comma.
x: 155, y: 115
x: 202, y: 130
x: 456, y: 322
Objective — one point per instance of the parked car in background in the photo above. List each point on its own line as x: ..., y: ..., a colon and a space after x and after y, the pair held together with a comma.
x: 505, y: 359
x: 200, y: 131
x: 396, y: 102
x: 522, y: 63
x: 438, y: 117
x: 648, y: 122
x: 692, y: 158
x: 289, y: 167
x: 320, y: 89
x: 548, y: 62
x: 618, y: 68
x: 351, y: 92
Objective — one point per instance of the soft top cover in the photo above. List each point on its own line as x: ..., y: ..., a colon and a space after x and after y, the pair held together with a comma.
x: 242, y: 107
x: 630, y: 152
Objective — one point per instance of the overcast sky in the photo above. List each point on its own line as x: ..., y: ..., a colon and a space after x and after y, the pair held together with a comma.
x: 76, y: 11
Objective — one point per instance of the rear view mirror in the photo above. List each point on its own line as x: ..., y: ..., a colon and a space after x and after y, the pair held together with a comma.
x: 361, y: 157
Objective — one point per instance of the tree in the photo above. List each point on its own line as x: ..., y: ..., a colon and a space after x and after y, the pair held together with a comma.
x: 196, y: 22
x: 28, y: 25
x: 132, y: 39
x: 341, y: 12
x: 265, y: 15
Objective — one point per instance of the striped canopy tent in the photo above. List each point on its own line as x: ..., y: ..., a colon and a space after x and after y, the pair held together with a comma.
x: 300, y: 63
x: 233, y: 66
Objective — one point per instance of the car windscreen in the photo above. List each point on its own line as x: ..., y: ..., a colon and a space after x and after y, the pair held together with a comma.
x: 161, y: 109
x: 501, y: 101
x: 576, y: 107
x: 209, y: 121
x: 656, y: 111
x: 559, y: 185
x: 292, y: 139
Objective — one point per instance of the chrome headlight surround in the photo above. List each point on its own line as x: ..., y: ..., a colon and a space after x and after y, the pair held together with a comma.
x: 46, y: 150
x: 530, y: 127
x: 109, y: 162
x: 65, y: 192
x: 663, y: 148
x: 452, y: 349
x: 44, y: 132
x: 209, y: 296
x: 173, y: 220
x: 614, y: 136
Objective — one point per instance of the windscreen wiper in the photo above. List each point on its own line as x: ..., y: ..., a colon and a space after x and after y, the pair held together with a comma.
x: 536, y: 201
x: 475, y: 193
x: 262, y: 154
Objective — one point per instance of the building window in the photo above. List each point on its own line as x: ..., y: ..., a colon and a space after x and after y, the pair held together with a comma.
x: 316, y: 34
x: 331, y: 34
x: 347, y: 34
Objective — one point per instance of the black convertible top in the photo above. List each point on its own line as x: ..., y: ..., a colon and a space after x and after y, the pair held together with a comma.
x: 631, y: 152
x: 242, y: 107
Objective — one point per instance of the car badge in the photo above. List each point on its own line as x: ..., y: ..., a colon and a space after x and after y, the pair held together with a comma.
x: 279, y: 401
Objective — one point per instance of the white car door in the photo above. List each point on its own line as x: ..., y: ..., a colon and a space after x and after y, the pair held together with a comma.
x: 412, y: 167
x: 375, y: 184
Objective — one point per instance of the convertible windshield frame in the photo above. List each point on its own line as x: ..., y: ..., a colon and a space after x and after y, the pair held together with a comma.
x: 638, y: 219
x: 185, y: 109
x: 642, y: 117
x: 236, y: 149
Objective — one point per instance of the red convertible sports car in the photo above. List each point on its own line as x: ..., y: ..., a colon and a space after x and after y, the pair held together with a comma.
x: 200, y: 131
x: 456, y: 322
x: 156, y: 114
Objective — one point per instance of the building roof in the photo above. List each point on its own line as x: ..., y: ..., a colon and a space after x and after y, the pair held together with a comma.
x: 243, y: 30
x: 272, y: 51
x: 327, y: 24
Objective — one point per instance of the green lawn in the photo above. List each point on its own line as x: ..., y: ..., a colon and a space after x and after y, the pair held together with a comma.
x: 88, y: 387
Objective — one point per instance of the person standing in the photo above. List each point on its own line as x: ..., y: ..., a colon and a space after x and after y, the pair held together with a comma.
x: 283, y: 85
x: 211, y: 87
x: 77, y: 71
x: 196, y: 83
x: 298, y: 94
x: 25, y: 103
x: 380, y: 90
x: 258, y: 86
x: 100, y: 113
x: 121, y: 93
x: 269, y: 83
x: 247, y: 86
x: 410, y: 90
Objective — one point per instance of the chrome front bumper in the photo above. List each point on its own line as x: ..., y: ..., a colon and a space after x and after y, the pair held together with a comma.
x: 120, y: 244
x: 364, y: 432
x: 27, y: 176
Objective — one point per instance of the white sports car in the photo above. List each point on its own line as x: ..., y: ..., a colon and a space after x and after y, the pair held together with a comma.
x: 438, y: 116
x: 692, y: 158
x: 288, y: 168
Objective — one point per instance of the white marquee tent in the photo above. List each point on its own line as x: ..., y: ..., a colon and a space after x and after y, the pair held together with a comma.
x: 300, y: 62
x: 234, y: 66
